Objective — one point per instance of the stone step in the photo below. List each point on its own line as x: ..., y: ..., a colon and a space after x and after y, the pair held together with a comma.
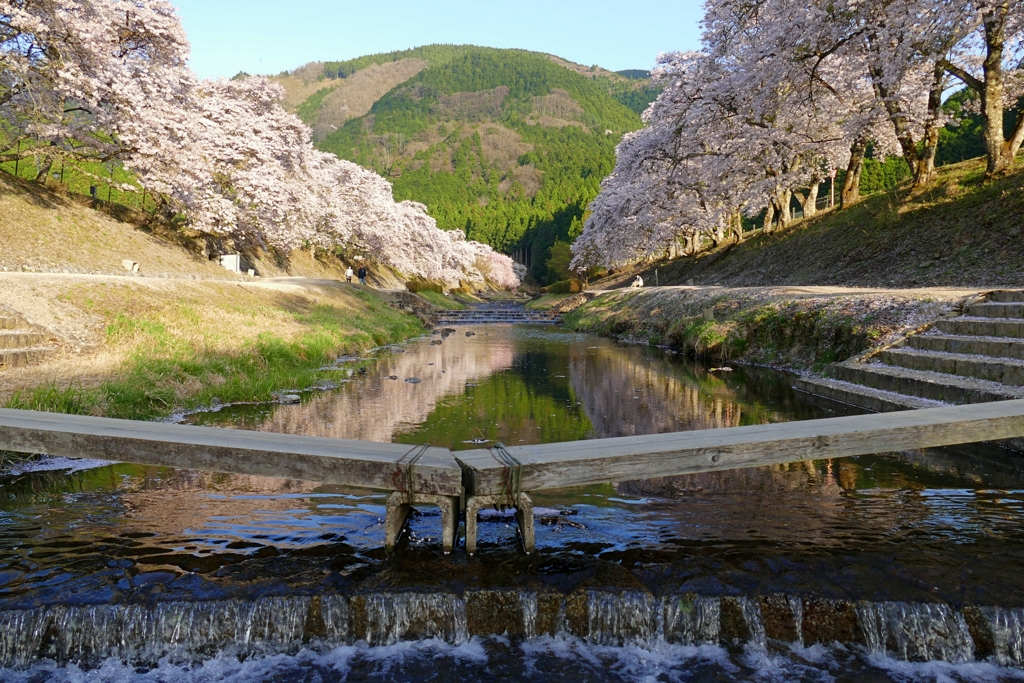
x: 996, y: 310
x: 19, y: 339
x: 981, y: 327
x: 9, y: 323
x: 1007, y: 296
x: 924, y: 384
x: 1004, y: 371
x: 16, y: 358
x: 996, y: 347
x: 861, y: 396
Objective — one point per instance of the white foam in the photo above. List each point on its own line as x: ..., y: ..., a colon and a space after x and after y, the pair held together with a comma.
x: 226, y: 669
x: 662, y: 663
x: 944, y: 672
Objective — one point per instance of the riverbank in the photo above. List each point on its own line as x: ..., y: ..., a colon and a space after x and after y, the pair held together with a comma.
x: 141, y: 348
x: 960, y: 231
x: 796, y: 328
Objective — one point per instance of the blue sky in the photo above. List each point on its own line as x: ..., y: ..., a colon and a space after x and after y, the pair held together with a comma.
x: 270, y: 36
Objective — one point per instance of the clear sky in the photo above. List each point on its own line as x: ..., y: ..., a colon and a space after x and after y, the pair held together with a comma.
x: 270, y: 36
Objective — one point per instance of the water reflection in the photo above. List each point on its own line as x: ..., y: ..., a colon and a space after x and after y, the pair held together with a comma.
x: 523, y: 385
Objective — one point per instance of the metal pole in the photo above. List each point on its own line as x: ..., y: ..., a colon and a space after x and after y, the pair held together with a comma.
x: 110, y: 187
x: 17, y: 160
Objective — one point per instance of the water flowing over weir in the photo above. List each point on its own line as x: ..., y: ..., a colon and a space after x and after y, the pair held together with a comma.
x: 190, y: 631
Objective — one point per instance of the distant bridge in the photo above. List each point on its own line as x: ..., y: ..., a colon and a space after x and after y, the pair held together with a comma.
x: 470, y: 480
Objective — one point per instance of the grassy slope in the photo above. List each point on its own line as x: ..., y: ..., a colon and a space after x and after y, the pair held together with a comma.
x: 145, y: 347
x: 960, y: 232
x: 442, y: 301
x: 167, y: 346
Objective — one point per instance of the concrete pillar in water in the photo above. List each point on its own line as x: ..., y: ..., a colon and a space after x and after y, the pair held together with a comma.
x: 524, y: 517
x: 399, y: 507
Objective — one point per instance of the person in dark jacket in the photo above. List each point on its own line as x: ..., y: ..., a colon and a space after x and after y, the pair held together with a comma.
x: 362, y: 275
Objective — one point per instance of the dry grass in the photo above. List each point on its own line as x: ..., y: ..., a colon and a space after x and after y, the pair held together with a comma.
x: 558, y: 104
x: 45, y: 231
x: 502, y: 146
x: 350, y: 97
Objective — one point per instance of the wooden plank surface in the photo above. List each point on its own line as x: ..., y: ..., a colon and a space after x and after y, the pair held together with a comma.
x: 581, y: 463
x: 232, y: 451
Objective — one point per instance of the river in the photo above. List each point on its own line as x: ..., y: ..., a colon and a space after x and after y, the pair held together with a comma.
x: 894, y: 567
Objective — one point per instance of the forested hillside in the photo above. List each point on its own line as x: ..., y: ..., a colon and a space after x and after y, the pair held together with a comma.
x: 507, y: 146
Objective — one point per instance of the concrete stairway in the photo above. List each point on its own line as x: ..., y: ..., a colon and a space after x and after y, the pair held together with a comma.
x: 497, y: 313
x: 974, y: 358
x: 20, y: 344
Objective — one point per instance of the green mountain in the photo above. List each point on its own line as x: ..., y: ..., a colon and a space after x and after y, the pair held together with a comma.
x: 508, y: 146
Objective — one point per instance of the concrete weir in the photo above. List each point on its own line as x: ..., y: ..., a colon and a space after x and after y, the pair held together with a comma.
x: 471, y: 480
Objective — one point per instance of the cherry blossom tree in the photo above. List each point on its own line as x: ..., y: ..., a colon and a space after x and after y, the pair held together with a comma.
x: 990, y: 61
x: 104, y: 80
x: 781, y: 94
x: 77, y: 77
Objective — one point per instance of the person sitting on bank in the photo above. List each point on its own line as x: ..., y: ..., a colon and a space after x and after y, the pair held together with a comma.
x: 362, y: 275
x: 349, y: 274
x: 638, y: 282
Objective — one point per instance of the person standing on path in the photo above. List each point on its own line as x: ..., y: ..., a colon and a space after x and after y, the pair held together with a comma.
x: 362, y: 275
x: 349, y: 274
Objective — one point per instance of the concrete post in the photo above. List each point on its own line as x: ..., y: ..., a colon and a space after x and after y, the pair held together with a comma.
x: 524, y: 518
x: 397, y: 515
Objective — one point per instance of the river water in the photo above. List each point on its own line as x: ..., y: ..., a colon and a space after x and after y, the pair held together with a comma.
x: 895, y: 567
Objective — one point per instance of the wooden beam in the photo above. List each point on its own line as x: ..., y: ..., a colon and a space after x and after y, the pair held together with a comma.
x: 583, y: 463
x: 232, y: 451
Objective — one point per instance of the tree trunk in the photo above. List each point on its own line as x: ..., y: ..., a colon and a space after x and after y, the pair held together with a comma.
x: 718, y: 236
x: 925, y: 170
x: 44, y: 169
x: 999, y: 151
x: 809, y: 201
x: 899, y: 121
x: 784, y: 199
x: 992, y: 98
x: 769, y: 216
x: 1013, y: 145
x: 811, y: 208
x: 851, y: 184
